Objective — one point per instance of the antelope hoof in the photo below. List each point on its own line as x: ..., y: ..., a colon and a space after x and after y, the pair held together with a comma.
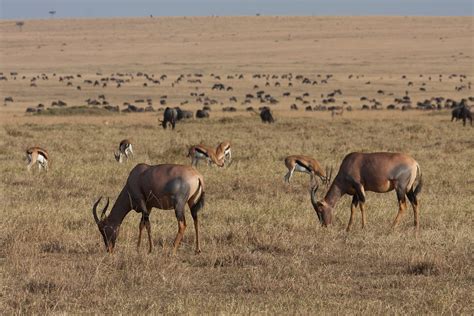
x: 197, y: 251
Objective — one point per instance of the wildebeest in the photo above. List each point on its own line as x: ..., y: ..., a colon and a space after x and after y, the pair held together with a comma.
x: 229, y: 109
x: 170, y: 115
x: 202, y: 114
x: 266, y: 115
x: 462, y: 113
x: 183, y: 114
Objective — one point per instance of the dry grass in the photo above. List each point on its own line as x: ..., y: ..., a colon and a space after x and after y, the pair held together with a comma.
x: 263, y: 250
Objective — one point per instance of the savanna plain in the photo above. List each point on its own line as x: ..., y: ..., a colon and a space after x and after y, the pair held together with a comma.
x: 263, y: 249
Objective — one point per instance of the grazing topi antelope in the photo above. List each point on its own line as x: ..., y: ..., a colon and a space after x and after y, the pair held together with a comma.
x: 165, y: 187
x: 37, y: 155
x: 377, y: 172
x: 218, y: 156
x: 125, y: 149
x: 307, y: 165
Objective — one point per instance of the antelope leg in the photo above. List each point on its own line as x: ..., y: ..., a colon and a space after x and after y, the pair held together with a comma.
x: 196, y: 228
x: 140, y: 228
x: 148, y: 229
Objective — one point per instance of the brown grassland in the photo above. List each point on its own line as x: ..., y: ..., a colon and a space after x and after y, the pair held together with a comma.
x: 263, y: 249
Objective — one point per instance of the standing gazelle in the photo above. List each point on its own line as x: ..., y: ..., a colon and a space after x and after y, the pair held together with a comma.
x: 377, y: 172
x: 218, y: 156
x: 162, y: 186
x: 37, y: 155
x: 125, y: 149
x: 307, y: 165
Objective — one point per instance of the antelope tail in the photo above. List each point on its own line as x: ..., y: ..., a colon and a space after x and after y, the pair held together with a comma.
x: 417, y: 189
x: 200, y: 202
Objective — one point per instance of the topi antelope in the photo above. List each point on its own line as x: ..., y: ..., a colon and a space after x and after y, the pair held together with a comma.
x: 125, y: 149
x: 218, y: 156
x: 377, y: 172
x: 37, y: 155
x: 308, y: 165
x: 165, y: 187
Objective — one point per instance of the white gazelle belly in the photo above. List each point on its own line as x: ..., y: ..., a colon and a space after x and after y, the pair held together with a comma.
x: 200, y: 155
x: 41, y: 159
x: 301, y: 169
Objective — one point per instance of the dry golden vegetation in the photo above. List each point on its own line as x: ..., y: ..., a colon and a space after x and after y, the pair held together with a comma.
x: 263, y: 248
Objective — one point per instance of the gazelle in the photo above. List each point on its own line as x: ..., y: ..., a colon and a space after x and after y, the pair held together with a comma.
x: 125, y: 149
x: 377, y: 172
x: 162, y: 186
x: 223, y: 151
x: 335, y: 112
x: 307, y: 165
x: 217, y: 156
x: 37, y: 155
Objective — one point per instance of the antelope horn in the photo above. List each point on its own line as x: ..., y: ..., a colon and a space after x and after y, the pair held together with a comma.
x: 102, y: 216
x: 327, y: 175
x: 313, y: 191
x: 94, y: 210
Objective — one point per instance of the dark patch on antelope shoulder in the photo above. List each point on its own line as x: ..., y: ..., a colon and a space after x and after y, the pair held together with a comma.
x: 401, y: 173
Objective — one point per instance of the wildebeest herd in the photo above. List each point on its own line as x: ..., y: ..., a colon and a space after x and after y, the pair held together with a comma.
x: 268, y: 90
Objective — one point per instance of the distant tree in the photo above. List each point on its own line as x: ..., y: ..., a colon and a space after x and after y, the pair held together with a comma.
x: 258, y: 14
x: 52, y: 13
x: 20, y: 24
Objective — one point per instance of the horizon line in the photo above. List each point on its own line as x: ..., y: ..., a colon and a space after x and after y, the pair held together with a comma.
x: 227, y: 16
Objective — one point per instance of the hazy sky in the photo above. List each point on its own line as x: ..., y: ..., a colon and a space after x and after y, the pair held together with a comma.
x: 22, y: 9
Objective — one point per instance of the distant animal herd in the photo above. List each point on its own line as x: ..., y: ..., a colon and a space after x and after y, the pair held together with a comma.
x: 219, y: 85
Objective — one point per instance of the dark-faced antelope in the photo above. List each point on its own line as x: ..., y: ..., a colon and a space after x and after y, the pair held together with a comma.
x: 125, y: 149
x: 37, y: 155
x: 377, y: 172
x: 218, y: 156
x: 307, y: 165
x: 162, y: 186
